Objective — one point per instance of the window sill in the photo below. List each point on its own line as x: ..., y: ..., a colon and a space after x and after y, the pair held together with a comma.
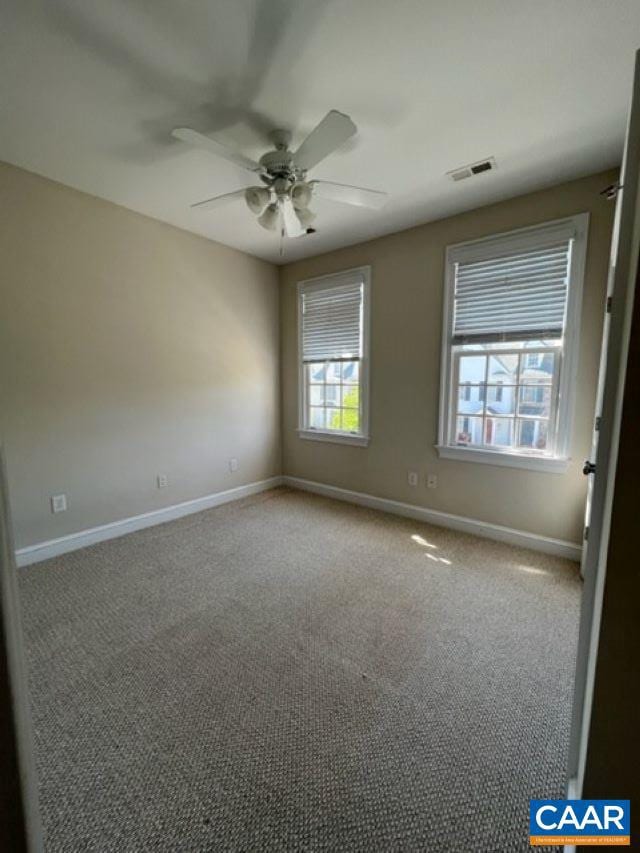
x: 334, y: 437
x: 550, y: 464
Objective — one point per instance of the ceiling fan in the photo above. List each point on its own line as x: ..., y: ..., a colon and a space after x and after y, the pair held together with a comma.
x: 282, y: 204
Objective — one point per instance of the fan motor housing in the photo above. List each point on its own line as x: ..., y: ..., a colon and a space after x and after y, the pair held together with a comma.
x: 277, y: 161
x: 280, y: 164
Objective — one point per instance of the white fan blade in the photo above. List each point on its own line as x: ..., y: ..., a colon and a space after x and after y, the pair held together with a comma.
x: 334, y: 129
x: 290, y: 222
x: 349, y: 195
x: 217, y: 201
x: 186, y: 134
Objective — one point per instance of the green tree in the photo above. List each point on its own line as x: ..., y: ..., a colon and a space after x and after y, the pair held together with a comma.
x: 350, y: 412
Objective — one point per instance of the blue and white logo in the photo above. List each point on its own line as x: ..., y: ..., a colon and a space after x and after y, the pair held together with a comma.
x: 596, y: 822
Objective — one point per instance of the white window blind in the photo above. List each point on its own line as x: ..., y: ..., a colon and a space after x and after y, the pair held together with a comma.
x: 516, y: 296
x: 332, y: 322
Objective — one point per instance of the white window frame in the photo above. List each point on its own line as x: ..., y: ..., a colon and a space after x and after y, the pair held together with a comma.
x: 361, y: 438
x: 521, y: 239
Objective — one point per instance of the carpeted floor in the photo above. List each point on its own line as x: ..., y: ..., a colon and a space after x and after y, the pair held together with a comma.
x: 292, y: 673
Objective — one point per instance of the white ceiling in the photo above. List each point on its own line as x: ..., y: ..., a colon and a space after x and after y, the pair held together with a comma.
x: 90, y: 90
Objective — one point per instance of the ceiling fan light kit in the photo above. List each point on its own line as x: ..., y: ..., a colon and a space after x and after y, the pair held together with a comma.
x: 270, y: 218
x: 283, y: 203
x: 257, y: 198
x: 306, y: 217
x: 301, y: 194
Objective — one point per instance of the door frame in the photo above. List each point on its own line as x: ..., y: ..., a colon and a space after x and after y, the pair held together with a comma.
x: 21, y: 828
x: 623, y: 272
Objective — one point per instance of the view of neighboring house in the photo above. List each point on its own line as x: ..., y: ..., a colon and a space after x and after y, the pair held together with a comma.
x: 505, y: 400
x: 334, y: 398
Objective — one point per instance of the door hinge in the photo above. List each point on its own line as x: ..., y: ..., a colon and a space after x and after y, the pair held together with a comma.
x: 609, y: 304
x: 597, y: 424
x: 611, y: 191
x: 586, y: 533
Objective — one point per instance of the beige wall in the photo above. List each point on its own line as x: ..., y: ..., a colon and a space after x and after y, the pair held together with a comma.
x: 128, y: 348
x: 406, y: 317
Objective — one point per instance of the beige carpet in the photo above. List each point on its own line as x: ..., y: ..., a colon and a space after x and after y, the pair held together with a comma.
x: 293, y: 673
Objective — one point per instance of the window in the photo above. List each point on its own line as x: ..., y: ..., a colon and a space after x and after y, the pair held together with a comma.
x: 511, y: 322
x: 333, y: 314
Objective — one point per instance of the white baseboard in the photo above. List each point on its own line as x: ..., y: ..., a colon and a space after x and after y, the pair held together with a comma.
x: 73, y: 541
x: 521, y: 538
x: 83, y: 538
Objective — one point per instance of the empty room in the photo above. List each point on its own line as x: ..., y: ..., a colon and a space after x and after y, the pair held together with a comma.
x: 317, y: 355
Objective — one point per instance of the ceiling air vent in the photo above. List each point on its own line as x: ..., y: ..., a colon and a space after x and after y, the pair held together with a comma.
x: 473, y: 169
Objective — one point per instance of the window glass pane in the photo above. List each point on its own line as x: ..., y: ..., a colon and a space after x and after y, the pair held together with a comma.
x: 498, y: 432
x: 511, y: 345
x: 350, y: 420
x: 535, y: 400
x: 350, y: 372
x: 503, y: 368
x: 471, y: 399
x: 468, y: 431
x: 350, y: 396
x: 332, y: 395
x: 472, y: 368
x: 537, y: 367
x: 501, y: 399
x: 533, y: 435
x: 316, y: 395
x: 334, y: 419
x: 521, y: 391
x: 551, y: 342
x: 333, y: 371
x: 316, y: 372
x: 316, y: 418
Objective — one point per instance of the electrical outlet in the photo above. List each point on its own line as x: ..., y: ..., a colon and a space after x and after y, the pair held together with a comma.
x: 432, y: 481
x: 162, y: 480
x: 233, y: 465
x: 58, y: 503
x: 412, y: 478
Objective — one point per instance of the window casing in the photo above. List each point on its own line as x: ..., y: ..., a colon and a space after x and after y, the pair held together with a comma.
x: 510, y: 340
x: 333, y: 346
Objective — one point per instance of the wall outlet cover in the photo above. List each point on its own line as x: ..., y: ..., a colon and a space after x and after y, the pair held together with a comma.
x: 233, y: 465
x: 412, y: 478
x: 58, y: 503
x: 163, y: 481
x: 432, y: 481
